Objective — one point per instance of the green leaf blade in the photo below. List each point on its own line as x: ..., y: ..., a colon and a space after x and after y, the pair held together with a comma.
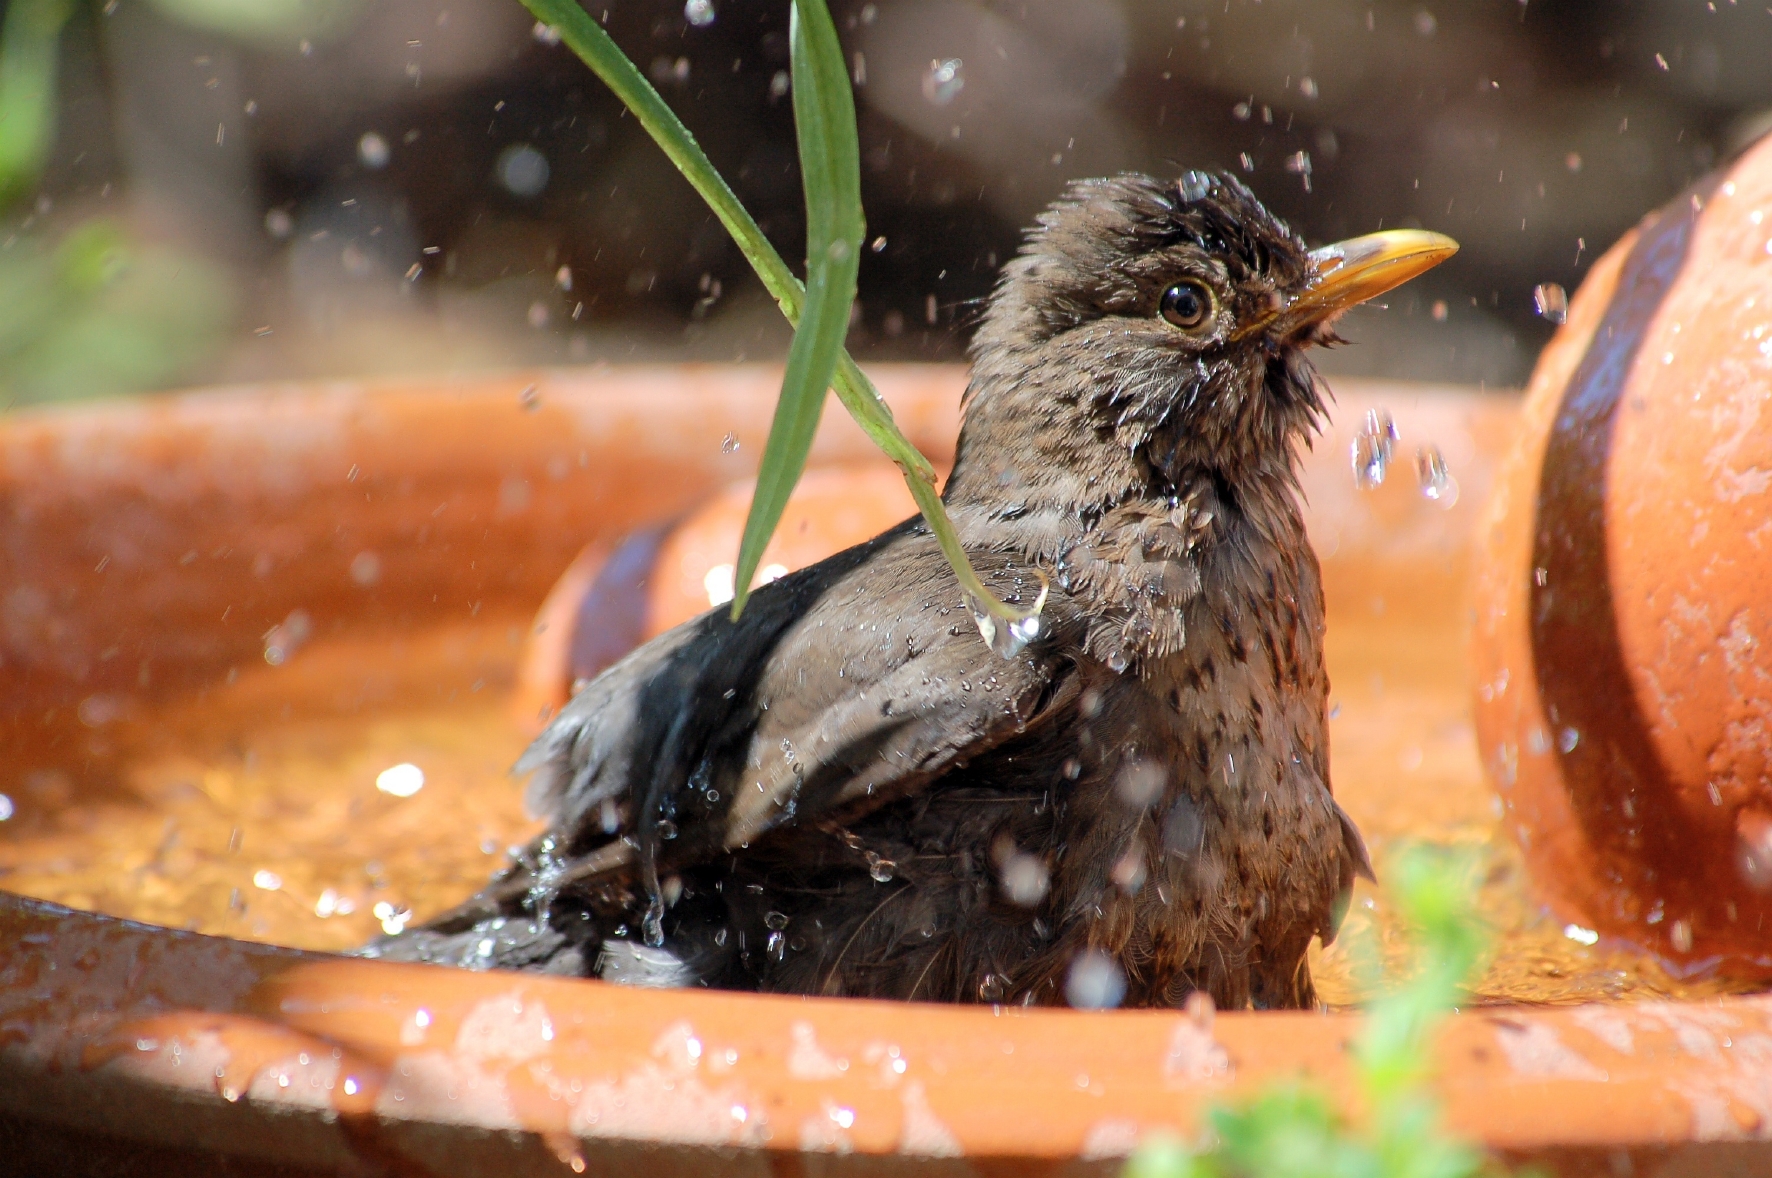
x: 830, y: 169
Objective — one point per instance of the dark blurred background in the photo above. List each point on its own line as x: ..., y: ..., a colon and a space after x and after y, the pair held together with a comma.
x: 221, y: 190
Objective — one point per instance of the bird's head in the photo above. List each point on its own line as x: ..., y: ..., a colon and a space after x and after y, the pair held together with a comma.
x: 1152, y: 332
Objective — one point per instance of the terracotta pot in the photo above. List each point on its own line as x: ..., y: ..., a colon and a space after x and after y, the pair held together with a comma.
x: 1624, y: 693
x: 153, y: 546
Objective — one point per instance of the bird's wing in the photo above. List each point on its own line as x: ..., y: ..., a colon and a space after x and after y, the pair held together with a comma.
x: 843, y: 686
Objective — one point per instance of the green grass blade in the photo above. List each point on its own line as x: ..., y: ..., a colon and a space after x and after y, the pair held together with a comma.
x: 587, y: 39
x: 830, y: 171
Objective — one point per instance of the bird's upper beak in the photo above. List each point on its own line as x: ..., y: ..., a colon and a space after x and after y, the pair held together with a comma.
x: 1358, y: 269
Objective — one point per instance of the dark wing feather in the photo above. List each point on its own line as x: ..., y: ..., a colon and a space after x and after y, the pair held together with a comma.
x: 843, y: 686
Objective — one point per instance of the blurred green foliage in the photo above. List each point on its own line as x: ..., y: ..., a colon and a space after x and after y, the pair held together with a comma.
x: 266, y: 22
x: 1295, y: 1130
x: 29, y: 48
x: 100, y: 313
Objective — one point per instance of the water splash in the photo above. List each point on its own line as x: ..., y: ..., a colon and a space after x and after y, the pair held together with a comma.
x: 1373, y: 448
x: 1437, y: 483
x: 943, y: 80
x: 1552, y: 301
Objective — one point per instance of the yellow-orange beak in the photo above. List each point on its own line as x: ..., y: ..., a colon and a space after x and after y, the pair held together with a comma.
x: 1352, y: 271
x: 1361, y: 268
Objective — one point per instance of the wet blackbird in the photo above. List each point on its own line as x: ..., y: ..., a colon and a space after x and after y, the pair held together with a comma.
x: 848, y: 792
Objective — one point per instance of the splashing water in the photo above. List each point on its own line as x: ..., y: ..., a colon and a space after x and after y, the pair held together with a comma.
x: 943, y: 80
x: 1552, y: 301
x: 1436, y: 481
x: 699, y: 13
x: 1373, y: 447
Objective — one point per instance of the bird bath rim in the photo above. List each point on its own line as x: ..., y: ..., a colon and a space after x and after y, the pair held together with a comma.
x: 537, y: 1071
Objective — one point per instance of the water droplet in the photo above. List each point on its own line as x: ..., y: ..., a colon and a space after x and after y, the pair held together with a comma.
x: 992, y: 987
x: 1095, y: 982
x: 366, y: 568
x: 1438, y: 310
x: 1129, y: 872
x: 522, y: 170
x: 1373, y: 447
x: 1425, y: 24
x: 1307, y: 86
x: 777, y: 946
x: 1072, y: 768
x: 1007, y: 637
x: 545, y: 33
x: 1196, y: 186
x: 729, y: 444
x: 719, y: 582
x: 881, y: 870
x: 652, y: 924
x: 778, y: 84
x: 1583, y: 936
x: 372, y: 151
x: 1567, y: 739
x: 563, y: 278
x: 6, y: 808
x: 1552, y: 301
x: 1241, y: 112
x: 667, y: 829
x: 943, y: 80
x: 1116, y: 662
x: 282, y: 639
x: 1436, y: 481
x: 402, y: 780
x: 1140, y: 783
x: 775, y: 920
x: 268, y: 881
x: 1025, y: 879
x: 699, y: 13
x: 1680, y: 935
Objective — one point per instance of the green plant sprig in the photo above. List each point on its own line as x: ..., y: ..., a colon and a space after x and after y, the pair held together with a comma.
x: 825, y: 126
x: 1294, y: 1130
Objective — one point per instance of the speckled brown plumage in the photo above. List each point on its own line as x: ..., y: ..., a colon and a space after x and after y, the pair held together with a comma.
x: 847, y: 792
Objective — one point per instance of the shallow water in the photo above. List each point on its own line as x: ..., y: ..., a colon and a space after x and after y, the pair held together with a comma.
x: 252, y: 811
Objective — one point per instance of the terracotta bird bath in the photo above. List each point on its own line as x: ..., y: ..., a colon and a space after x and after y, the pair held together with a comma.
x: 1624, y: 606
x: 227, y: 616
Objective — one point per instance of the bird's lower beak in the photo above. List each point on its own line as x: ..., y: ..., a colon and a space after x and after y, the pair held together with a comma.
x: 1352, y: 271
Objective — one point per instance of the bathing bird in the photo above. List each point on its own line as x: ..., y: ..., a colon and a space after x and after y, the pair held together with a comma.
x: 867, y: 785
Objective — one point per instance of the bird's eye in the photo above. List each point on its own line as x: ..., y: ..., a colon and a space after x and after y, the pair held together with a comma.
x: 1186, y: 305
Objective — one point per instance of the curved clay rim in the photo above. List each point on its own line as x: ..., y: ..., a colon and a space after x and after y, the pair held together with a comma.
x: 145, y: 1034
